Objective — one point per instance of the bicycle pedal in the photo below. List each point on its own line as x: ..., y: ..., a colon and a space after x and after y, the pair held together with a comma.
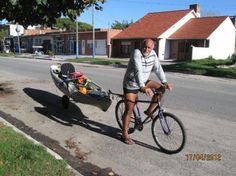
x: 131, y: 130
x: 140, y: 127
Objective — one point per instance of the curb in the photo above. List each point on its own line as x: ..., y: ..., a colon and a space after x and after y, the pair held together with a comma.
x: 51, y: 152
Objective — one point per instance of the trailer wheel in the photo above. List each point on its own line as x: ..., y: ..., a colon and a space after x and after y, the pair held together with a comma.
x: 65, y: 101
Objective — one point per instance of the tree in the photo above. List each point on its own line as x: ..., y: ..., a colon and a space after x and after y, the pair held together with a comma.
x: 3, y: 35
x: 121, y: 25
x: 45, y: 12
x: 69, y: 25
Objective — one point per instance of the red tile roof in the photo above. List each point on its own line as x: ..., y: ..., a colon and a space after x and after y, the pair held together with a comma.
x: 198, y: 28
x: 152, y: 25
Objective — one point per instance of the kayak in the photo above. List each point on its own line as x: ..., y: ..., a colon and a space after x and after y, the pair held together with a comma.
x: 75, y: 85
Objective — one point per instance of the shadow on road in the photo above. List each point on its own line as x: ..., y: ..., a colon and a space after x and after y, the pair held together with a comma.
x: 52, y: 108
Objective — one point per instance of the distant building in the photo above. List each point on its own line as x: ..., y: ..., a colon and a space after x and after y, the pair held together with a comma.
x: 15, y: 31
x: 64, y: 43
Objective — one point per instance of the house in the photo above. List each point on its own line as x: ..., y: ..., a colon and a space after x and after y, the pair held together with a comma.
x: 62, y: 42
x: 180, y: 34
x: 15, y: 32
x: 203, y: 37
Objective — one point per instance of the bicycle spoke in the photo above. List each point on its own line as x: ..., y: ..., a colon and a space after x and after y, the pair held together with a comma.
x: 168, y: 133
x: 120, y: 109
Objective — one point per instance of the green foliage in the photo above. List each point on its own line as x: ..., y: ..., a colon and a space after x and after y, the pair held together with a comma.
x: 50, y: 53
x: 3, y: 34
x: 99, y: 61
x: 7, y: 54
x: 64, y: 23
x: 69, y: 25
x: 210, y: 61
x: 233, y: 58
x: 84, y: 26
x: 121, y: 25
x: 43, y: 12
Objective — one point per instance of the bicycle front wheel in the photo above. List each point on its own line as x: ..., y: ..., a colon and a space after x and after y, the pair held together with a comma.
x: 120, y: 109
x: 168, y: 133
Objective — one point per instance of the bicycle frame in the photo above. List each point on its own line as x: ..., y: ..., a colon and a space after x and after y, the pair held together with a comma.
x: 158, y: 113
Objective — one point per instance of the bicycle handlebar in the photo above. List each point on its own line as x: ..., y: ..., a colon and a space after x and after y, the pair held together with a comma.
x: 161, y: 90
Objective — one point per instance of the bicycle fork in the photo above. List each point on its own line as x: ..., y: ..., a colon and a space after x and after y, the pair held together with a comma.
x: 164, y: 123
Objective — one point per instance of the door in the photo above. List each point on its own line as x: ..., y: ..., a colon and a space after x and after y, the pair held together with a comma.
x: 83, y: 47
x: 173, y: 49
x: 101, y: 47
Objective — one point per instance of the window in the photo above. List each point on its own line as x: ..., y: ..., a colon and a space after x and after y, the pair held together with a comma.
x: 89, y: 44
x: 206, y: 43
x: 38, y: 41
x: 125, y: 47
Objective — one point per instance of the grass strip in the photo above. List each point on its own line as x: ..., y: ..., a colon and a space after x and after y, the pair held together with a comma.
x: 20, y: 156
x: 208, y: 67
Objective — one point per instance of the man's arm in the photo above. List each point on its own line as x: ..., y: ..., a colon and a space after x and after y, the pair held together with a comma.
x: 159, y: 71
x: 138, y: 67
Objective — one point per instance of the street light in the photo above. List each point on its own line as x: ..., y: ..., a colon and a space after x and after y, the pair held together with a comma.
x: 93, y: 21
x: 77, y: 39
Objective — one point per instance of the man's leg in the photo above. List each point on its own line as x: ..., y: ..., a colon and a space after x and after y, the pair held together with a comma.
x: 129, y: 106
x: 153, y: 85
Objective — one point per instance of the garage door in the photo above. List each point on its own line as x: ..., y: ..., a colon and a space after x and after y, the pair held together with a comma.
x: 101, y: 47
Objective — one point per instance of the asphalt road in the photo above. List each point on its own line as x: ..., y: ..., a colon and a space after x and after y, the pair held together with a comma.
x: 206, y: 106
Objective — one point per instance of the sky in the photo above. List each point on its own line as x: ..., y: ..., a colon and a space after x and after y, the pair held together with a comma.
x: 132, y: 10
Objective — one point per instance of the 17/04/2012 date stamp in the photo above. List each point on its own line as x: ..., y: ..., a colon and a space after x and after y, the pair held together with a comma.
x: 203, y: 157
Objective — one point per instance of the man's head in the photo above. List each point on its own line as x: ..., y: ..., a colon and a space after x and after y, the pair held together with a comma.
x: 147, y: 46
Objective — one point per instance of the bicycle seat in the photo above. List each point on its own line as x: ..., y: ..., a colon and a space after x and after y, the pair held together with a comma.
x: 66, y: 70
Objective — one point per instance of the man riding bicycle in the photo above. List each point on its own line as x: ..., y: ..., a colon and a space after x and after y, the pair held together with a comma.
x: 141, y: 64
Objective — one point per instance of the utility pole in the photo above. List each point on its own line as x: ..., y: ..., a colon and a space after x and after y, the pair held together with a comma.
x: 93, y: 22
x: 18, y: 37
x: 77, y: 39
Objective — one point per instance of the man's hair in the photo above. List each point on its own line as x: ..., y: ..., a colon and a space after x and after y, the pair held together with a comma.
x: 146, y: 41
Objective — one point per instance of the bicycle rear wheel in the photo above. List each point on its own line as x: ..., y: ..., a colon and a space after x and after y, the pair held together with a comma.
x: 168, y: 133
x: 120, y: 109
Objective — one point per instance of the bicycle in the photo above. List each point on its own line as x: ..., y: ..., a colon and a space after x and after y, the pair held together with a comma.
x: 167, y: 130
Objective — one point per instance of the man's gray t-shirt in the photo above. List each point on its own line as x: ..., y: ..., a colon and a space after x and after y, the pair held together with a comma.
x: 140, y: 68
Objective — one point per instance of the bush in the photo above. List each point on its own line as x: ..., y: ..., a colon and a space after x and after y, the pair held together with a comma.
x: 50, y: 53
x: 233, y: 58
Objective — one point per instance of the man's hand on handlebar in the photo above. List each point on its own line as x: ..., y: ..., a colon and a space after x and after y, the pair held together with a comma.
x: 147, y: 91
x: 168, y: 86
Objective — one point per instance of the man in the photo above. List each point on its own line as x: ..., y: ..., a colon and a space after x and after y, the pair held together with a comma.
x: 141, y: 64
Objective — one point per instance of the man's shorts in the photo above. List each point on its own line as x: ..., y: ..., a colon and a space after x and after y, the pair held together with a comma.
x: 134, y: 91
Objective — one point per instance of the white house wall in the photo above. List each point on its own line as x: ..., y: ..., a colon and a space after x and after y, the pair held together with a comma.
x: 12, y: 28
x: 200, y: 53
x: 222, y: 40
x: 221, y: 43
x: 164, y: 46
